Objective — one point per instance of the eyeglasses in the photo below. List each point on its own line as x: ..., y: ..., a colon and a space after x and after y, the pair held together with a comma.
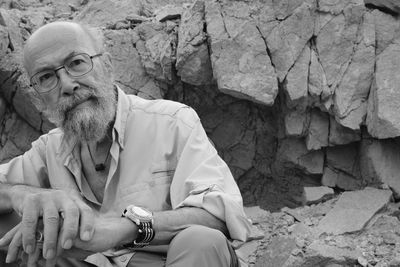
x: 76, y: 66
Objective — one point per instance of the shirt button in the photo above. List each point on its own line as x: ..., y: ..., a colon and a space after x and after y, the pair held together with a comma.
x: 123, y: 258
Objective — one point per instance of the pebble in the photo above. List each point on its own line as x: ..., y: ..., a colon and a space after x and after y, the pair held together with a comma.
x: 362, y: 261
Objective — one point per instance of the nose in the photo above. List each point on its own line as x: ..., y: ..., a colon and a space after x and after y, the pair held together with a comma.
x: 68, y: 84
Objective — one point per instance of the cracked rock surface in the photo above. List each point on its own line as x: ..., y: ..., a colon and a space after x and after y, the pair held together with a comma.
x: 294, y: 94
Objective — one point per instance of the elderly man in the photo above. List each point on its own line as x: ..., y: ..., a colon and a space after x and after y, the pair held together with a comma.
x: 122, y: 181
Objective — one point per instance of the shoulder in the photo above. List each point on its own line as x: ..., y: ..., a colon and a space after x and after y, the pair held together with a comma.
x: 167, y: 109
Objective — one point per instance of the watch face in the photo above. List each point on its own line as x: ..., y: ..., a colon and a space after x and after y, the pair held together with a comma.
x: 141, y: 212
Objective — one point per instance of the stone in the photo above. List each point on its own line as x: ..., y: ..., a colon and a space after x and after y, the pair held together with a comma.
x: 351, y: 95
x: 192, y: 59
x: 296, y: 87
x: 336, y: 178
x: 354, y: 210
x: 316, y: 194
x: 296, y: 123
x: 341, y: 135
x: 287, y: 40
x: 318, y: 89
x: 10, y: 19
x: 4, y: 40
x: 168, y: 12
x: 3, y: 107
x: 240, y: 62
x: 327, y: 255
x: 256, y: 214
x: 344, y: 158
x: 293, y: 153
x: 277, y: 252
x: 392, y: 5
x: 380, y: 163
x: 383, y: 109
x: 386, y: 29
x: 104, y: 12
x: 318, y: 130
x: 120, y: 45
x: 336, y: 39
x: 156, y: 48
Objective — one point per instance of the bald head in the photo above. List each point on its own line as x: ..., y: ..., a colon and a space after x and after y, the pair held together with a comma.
x: 56, y: 40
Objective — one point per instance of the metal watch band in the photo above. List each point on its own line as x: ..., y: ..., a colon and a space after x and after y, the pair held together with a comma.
x: 144, y: 223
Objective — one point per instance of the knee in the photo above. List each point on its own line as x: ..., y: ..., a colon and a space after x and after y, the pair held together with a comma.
x: 201, y: 238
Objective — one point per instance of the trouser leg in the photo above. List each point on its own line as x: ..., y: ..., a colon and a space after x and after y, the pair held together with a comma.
x: 199, y: 246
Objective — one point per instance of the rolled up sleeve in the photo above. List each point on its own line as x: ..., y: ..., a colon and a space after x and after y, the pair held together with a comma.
x: 202, y: 179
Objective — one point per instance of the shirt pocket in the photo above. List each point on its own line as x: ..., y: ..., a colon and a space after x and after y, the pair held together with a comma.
x: 152, y: 191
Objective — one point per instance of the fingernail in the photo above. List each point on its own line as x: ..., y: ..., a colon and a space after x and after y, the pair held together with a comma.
x: 8, y: 259
x: 29, y: 249
x: 86, y: 236
x: 50, y: 254
x: 67, y: 244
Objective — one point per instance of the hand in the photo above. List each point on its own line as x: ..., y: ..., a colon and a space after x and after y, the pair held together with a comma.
x: 110, y: 232
x: 50, y: 204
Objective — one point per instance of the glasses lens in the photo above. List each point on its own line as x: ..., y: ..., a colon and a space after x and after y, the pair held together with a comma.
x: 78, y: 65
x: 44, y: 80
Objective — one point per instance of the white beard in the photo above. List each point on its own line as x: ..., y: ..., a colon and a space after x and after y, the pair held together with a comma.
x: 85, y: 124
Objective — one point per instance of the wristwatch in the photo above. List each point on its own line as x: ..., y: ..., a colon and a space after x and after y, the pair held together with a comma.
x: 143, y: 218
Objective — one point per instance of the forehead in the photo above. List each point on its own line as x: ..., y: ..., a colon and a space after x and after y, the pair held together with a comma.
x: 52, y: 44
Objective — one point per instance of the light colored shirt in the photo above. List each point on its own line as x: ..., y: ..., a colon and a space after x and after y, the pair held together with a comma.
x: 161, y: 159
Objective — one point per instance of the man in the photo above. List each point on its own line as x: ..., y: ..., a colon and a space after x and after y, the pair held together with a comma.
x: 122, y: 181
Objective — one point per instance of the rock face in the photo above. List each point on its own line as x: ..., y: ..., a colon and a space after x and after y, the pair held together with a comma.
x: 292, y: 93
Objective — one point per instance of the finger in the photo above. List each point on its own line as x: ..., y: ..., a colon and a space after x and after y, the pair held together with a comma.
x: 52, y: 262
x: 86, y: 221
x: 70, y: 224
x: 34, y: 257
x: 14, y: 247
x: 30, y: 216
x: 6, y: 239
x: 51, y: 228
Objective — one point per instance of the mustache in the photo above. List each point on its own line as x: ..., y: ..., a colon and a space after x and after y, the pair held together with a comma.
x: 80, y: 96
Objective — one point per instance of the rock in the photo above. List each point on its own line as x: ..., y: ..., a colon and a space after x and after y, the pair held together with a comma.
x: 192, y: 58
x: 168, y: 12
x: 3, y: 107
x: 392, y: 5
x: 293, y: 153
x: 386, y: 30
x: 325, y: 255
x: 287, y: 40
x: 247, y: 251
x: 340, y: 135
x: 10, y: 19
x: 296, y: 123
x: 344, y: 158
x: 351, y: 96
x: 103, y: 12
x: 318, y: 89
x: 336, y: 178
x: 316, y: 194
x: 380, y: 163
x: 256, y: 214
x: 336, y: 38
x: 120, y: 44
x: 156, y: 48
x: 353, y: 211
x: 318, y: 130
x: 382, y: 119
x: 296, y: 88
x: 277, y: 252
x: 241, y: 65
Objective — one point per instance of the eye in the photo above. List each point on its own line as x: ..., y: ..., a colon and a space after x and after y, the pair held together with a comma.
x: 76, y: 63
x: 45, y: 77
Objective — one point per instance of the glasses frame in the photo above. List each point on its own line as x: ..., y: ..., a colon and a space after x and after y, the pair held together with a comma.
x: 36, y: 87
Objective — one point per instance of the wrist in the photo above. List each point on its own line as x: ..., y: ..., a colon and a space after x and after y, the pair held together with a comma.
x: 128, y: 230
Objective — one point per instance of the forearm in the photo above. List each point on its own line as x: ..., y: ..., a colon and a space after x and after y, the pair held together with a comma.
x: 12, y: 196
x: 168, y: 223
x: 5, y: 198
